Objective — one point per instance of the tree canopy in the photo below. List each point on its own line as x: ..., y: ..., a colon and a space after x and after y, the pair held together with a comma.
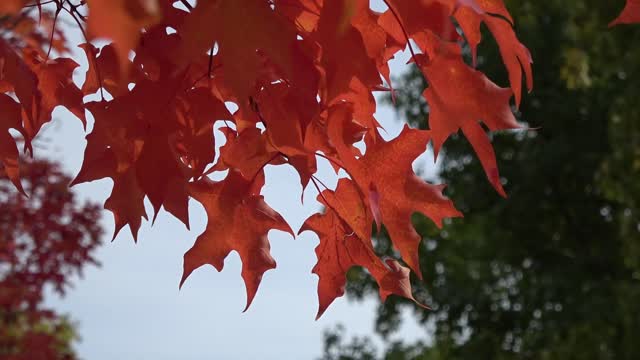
x: 44, y: 241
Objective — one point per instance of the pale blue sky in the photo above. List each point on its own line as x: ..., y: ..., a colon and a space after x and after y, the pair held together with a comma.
x: 130, y: 308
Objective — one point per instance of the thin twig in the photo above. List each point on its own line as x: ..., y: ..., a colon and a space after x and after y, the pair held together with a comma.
x: 332, y: 160
x: 186, y: 4
x: 404, y: 31
x: 86, y: 38
x: 53, y: 30
x: 40, y: 4
x: 211, y: 60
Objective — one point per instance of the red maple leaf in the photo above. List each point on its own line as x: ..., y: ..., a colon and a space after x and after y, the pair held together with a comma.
x: 343, y: 246
x: 239, y: 220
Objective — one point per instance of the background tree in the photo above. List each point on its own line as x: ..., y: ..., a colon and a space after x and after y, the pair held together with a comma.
x: 44, y: 240
x: 554, y: 271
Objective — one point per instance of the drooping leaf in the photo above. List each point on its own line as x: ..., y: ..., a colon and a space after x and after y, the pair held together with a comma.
x: 55, y: 84
x: 459, y: 98
x: 342, y: 247
x: 390, y: 187
x: 239, y: 220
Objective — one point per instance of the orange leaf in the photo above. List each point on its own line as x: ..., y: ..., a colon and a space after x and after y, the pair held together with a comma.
x: 342, y: 247
x: 122, y: 22
x: 239, y: 220
x: 386, y: 180
x: 459, y: 97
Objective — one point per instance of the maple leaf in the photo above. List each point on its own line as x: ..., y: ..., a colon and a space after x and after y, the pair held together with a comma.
x: 248, y: 152
x: 56, y: 88
x: 629, y: 15
x: 515, y: 56
x: 111, y: 152
x: 17, y: 77
x: 338, y: 36
x: 241, y: 50
x: 417, y: 20
x: 199, y: 107
x: 392, y: 190
x: 342, y: 247
x: 459, y: 97
x: 126, y: 202
x: 104, y: 70
x: 239, y: 220
x: 122, y: 22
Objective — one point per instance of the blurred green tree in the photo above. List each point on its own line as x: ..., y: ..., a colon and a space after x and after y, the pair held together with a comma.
x: 553, y: 272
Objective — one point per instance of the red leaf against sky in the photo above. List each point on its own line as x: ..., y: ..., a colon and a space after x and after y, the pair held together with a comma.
x: 110, y: 152
x: 239, y: 220
x: 126, y: 203
x: 56, y: 88
x: 195, y: 144
x: 104, y: 70
x: 248, y: 153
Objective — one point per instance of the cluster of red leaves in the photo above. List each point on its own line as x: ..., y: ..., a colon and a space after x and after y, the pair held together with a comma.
x: 301, y: 74
x: 44, y: 240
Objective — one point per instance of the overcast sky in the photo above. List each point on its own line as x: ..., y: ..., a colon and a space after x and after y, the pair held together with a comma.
x: 130, y: 307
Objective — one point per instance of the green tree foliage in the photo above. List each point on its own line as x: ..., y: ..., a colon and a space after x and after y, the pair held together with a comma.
x: 553, y: 272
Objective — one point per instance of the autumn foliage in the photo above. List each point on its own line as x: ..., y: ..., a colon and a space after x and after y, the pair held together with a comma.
x: 44, y: 241
x: 301, y: 76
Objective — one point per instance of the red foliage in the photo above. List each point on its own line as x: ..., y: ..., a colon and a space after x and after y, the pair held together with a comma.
x: 305, y: 71
x: 44, y: 240
x: 630, y: 14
